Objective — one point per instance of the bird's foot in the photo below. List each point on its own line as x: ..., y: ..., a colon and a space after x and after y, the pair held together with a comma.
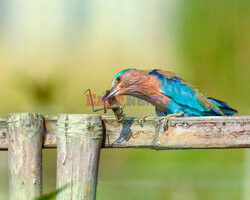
x: 141, y: 119
x: 167, y: 117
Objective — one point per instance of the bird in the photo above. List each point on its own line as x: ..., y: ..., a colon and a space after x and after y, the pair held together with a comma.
x: 171, y: 95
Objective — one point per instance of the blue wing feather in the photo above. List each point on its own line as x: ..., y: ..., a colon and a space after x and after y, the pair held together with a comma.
x: 184, y: 97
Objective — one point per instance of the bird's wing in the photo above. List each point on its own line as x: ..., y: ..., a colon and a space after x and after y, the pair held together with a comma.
x: 175, y: 87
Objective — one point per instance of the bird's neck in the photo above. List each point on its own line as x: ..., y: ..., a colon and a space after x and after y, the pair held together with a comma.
x: 149, y: 90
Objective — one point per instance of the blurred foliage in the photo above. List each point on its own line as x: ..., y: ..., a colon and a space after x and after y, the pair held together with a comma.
x: 52, y: 51
x: 214, y: 42
x: 177, y: 174
x: 52, y: 195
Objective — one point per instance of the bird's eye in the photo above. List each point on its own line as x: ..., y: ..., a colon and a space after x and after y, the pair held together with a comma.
x: 118, y: 78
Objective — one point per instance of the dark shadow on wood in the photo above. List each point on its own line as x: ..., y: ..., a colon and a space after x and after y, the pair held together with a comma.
x: 126, y: 132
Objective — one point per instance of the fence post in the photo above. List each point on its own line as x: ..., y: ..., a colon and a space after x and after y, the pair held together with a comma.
x: 79, y: 139
x: 25, y: 131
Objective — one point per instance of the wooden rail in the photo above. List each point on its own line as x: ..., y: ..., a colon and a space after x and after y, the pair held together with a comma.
x: 79, y: 138
x: 182, y: 133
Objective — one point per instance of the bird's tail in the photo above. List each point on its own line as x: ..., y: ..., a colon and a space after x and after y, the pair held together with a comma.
x: 224, y: 107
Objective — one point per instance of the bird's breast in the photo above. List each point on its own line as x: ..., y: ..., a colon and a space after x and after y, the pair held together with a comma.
x: 157, y: 99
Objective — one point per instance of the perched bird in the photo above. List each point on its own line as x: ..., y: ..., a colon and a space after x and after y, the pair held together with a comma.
x: 168, y: 92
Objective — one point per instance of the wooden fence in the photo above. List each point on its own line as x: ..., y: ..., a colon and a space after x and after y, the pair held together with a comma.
x: 79, y: 138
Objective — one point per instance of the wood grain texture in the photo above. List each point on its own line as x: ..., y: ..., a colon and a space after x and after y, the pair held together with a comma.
x: 182, y: 133
x: 79, y: 139
x: 25, y: 131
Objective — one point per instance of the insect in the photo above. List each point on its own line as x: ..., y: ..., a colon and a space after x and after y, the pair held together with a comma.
x: 113, y: 104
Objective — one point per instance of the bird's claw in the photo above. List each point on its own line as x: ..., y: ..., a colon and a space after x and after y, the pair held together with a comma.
x: 141, y: 119
x: 167, y: 117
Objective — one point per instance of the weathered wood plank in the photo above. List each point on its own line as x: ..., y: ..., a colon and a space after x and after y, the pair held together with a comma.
x: 182, y: 133
x: 79, y: 139
x: 25, y: 131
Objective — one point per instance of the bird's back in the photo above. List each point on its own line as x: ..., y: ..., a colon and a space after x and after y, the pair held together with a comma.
x: 186, y: 99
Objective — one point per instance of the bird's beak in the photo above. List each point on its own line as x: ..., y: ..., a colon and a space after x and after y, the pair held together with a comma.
x: 110, y: 93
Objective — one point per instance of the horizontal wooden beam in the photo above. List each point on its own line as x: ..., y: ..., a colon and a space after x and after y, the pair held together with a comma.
x: 181, y: 133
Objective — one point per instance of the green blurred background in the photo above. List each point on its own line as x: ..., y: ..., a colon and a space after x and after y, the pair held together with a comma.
x: 51, y: 51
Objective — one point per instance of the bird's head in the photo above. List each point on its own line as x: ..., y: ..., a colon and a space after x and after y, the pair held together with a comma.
x: 128, y: 82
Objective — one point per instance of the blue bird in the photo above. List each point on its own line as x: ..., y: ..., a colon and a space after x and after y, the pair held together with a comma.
x: 168, y: 92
